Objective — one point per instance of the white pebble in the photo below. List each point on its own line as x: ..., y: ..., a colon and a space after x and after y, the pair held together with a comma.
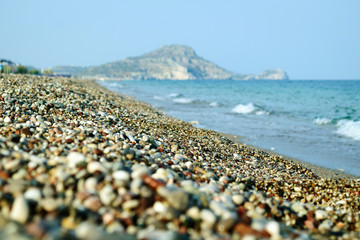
x: 106, y: 195
x: 86, y: 230
x: 238, y: 199
x: 74, y: 158
x: 130, y: 204
x: 20, y: 210
x: 93, y: 167
x: 189, y: 165
x: 320, y: 214
x: 208, y: 217
x: 273, y: 228
x: 33, y: 194
x: 140, y: 171
x: 121, y: 175
x: 193, y: 212
x: 7, y: 120
x: 91, y: 184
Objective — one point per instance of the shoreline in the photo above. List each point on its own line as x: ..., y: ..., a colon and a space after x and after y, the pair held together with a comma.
x: 78, y: 161
x: 323, y: 172
x: 319, y: 170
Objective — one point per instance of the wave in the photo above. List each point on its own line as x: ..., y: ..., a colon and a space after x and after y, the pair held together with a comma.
x: 183, y: 100
x: 175, y: 95
x: 214, y: 104
x: 249, y: 108
x: 349, y: 128
x: 322, y: 121
x: 159, y: 98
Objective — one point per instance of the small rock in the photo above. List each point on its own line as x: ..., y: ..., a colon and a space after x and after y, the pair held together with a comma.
x: 7, y: 120
x: 92, y: 203
x: 122, y: 176
x: 130, y: 204
x: 20, y: 210
x: 91, y: 184
x: 94, y: 167
x: 33, y: 194
x: 178, y: 199
x: 320, y: 214
x: 140, y: 171
x: 208, y: 217
x: 238, y: 199
x: 106, y: 195
x: 194, y: 213
x: 273, y: 228
x: 86, y: 230
x: 49, y: 204
x: 75, y: 158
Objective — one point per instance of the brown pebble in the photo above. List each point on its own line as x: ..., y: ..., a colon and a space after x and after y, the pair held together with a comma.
x: 35, y: 230
x: 4, y: 175
x: 98, y: 152
x: 152, y: 183
x: 26, y: 131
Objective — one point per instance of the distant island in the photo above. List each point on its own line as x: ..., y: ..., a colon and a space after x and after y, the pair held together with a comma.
x: 173, y: 62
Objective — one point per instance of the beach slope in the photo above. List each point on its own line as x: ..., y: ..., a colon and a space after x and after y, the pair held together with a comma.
x: 80, y: 162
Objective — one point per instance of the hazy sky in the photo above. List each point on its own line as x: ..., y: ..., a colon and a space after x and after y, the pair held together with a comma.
x: 310, y: 39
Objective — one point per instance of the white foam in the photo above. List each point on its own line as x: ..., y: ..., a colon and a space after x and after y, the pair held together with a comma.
x: 183, y: 100
x: 244, y: 109
x: 261, y: 112
x: 159, y: 98
x: 322, y: 121
x: 349, y: 128
x: 249, y: 108
x: 174, y: 95
x: 214, y: 104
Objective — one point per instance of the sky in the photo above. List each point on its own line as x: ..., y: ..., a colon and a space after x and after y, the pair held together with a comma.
x: 308, y: 39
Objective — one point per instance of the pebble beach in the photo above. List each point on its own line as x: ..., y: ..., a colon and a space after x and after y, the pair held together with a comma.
x: 78, y: 161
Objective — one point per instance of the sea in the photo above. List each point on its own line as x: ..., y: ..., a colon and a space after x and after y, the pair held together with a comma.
x: 314, y: 121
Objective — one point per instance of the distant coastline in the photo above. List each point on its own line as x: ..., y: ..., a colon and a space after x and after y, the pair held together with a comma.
x: 173, y: 62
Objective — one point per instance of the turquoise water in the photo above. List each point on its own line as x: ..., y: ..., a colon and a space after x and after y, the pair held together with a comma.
x: 314, y: 121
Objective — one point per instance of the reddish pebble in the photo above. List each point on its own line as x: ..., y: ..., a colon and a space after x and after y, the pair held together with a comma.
x: 98, y: 152
x: 151, y: 182
x: 26, y: 131
x: 4, y: 175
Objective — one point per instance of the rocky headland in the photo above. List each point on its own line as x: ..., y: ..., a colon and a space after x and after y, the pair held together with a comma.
x: 173, y: 62
x: 80, y: 162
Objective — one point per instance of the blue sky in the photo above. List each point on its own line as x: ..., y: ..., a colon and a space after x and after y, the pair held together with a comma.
x: 308, y: 39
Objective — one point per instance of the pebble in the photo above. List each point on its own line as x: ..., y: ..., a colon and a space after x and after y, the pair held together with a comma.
x: 273, y: 228
x: 75, y: 158
x: 238, y: 199
x: 121, y: 175
x: 130, y: 204
x: 49, y: 204
x: 87, y: 230
x: 107, y: 195
x: 7, y: 120
x: 92, y: 203
x: 20, y: 210
x: 178, y: 199
x: 94, y: 167
x: 208, y: 217
x: 91, y: 185
x: 320, y: 214
x: 140, y: 171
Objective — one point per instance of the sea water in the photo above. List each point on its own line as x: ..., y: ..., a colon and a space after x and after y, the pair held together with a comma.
x: 314, y: 121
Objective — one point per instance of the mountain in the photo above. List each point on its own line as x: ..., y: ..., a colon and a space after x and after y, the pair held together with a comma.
x: 173, y: 62
x: 72, y: 70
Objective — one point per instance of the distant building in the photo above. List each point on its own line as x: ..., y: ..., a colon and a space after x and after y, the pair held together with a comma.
x: 8, y: 66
